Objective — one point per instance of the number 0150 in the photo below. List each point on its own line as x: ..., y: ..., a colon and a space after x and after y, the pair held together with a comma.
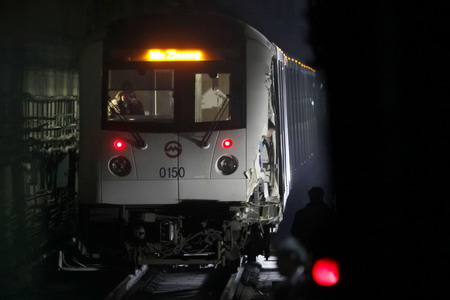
x: 173, y: 172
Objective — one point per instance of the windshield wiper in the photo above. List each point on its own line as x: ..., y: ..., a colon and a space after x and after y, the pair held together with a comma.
x: 140, y: 143
x: 204, y: 143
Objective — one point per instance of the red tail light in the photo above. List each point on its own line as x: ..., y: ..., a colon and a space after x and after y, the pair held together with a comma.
x: 119, y: 144
x: 227, y: 143
x: 325, y: 272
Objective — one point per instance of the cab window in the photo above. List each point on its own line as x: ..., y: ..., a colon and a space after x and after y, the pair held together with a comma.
x: 212, y: 97
x: 146, y: 95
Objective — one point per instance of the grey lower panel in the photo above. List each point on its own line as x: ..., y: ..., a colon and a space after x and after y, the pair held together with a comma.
x: 213, y: 189
x: 169, y: 191
x: 140, y: 192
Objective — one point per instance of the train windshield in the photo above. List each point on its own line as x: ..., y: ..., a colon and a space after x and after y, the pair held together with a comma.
x: 141, y: 95
x: 174, y: 98
x: 211, y: 97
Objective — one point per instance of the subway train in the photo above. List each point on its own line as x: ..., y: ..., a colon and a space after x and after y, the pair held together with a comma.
x: 191, y: 130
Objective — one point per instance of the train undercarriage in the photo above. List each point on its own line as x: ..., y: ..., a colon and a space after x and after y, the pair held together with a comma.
x: 191, y: 233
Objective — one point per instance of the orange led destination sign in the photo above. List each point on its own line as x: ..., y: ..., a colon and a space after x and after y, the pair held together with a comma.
x: 174, y: 55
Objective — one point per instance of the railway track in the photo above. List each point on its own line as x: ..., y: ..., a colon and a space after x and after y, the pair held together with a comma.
x: 154, y: 282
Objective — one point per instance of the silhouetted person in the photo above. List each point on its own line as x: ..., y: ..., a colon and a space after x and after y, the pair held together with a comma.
x: 312, y: 224
x: 126, y: 101
x: 292, y: 261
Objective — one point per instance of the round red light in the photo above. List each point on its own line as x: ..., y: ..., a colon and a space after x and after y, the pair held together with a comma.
x: 227, y: 143
x: 119, y: 144
x: 326, y: 272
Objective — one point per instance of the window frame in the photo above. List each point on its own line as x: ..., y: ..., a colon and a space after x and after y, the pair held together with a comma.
x: 184, y: 96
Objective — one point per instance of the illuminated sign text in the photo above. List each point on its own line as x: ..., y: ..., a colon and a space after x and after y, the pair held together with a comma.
x: 172, y: 54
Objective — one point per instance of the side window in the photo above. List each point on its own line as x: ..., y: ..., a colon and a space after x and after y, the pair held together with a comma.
x: 211, y: 94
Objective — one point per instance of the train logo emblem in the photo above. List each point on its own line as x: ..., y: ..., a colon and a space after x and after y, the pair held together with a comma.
x: 173, y: 149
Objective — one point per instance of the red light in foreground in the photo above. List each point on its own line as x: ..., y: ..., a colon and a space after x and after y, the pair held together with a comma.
x: 119, y: 144
x: 326, y: 272
x: 227, y: 143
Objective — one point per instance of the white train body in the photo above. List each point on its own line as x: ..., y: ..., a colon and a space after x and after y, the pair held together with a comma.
x: 199, y: 188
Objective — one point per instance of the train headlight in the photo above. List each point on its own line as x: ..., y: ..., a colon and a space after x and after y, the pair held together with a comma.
x: 227, y: 164
x: 120, y: 166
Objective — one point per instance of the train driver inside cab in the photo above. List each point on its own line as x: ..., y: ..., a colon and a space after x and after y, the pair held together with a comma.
x: 126, y: 102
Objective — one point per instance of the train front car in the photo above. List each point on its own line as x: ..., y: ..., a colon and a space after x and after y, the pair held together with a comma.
x: 180, y: 165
